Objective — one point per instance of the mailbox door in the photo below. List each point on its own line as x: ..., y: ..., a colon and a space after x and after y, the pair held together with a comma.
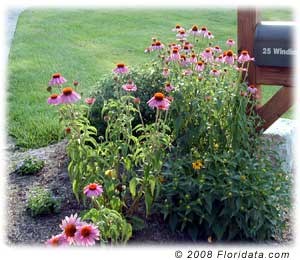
x: 273, y: 44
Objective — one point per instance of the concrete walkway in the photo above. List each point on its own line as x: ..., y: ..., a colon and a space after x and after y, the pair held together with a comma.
x: 11, y: 22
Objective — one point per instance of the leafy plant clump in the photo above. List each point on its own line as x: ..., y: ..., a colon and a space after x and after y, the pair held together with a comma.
x: 179, y: 136
x: 41, y: 202
x: 30, y: 165
x: 111, y: 224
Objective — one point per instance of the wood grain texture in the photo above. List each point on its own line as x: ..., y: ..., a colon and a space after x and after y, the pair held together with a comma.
x: 276, y: 106
x: 282, y: 100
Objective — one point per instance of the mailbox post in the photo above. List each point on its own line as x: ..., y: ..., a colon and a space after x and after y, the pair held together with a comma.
x: 271, y: 45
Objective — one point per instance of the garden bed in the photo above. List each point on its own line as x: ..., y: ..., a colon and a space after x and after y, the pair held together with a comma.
x: 24, y: 229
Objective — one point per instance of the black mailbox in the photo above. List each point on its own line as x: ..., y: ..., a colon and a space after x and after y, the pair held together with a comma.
x: 273, y: 44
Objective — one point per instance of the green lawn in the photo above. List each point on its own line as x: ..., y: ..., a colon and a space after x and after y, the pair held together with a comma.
x: 84, y: 45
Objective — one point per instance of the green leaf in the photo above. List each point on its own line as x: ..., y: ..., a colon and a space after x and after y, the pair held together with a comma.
x: 137, y: 223
x: 173, y: 220
x: 152, y: 182
x: 193, y: 232
x: 132, y: 187
x: 148, y: 202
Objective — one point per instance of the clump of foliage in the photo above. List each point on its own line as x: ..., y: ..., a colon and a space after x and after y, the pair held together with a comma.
x: 149, y: 80
x: 30, y: 165
x: 178, y: 135
x: 111, y: 224
x: 42, y: 202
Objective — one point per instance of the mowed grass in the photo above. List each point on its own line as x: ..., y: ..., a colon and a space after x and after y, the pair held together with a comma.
x: 84, y: 45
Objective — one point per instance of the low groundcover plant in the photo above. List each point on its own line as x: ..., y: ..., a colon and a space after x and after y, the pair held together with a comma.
x: 178, y: 134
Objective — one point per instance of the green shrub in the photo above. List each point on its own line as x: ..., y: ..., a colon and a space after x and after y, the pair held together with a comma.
x: 198, y: 158
x: 148, y: 79
x: 30, y: 165
x: 111, y: 224
x: 235, y: 196
x: 41, y: 202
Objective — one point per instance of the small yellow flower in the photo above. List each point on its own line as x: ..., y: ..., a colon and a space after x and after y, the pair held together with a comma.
x: 243, y: 178
x: 111, y: 173
x: 197, y: 165
x: 216, y: 146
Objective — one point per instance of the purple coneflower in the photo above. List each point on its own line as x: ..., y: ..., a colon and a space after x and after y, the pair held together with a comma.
x: 157, y: 46
x: 187, y: 72
x: 69, y: 96
x: 215, y: 72
x: 219, y: 59
x: 194, y: 31
x: 217, y: 49
x: 229, y: 58
x: 87, y: 234
x: 252, y: 89
x: 183, y: 61
x: 199, y: 66
x: 193, y: 58
x: 169, y: 87
x: 54, y: 99
x: 174, y: 55
x: 70, y: 226
x: 177, y: 28
x: 93, y: 190
x: 207, y: 54
x: 244, y: 57
x: 203, y: 31
x: 90, y: 101
x: 166, y: 72
x: 58, y: 240
x: 230, y: 42
x: 181, y: 34
x: 57, y: 79
x: 120, y: 69
x: 209, y: 35
x: 186, y: 49
x: 130, y: 86
x: 159, y: 101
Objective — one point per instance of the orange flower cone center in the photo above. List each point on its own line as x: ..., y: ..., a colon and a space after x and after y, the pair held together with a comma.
x: 93, y: 186
x: 207, y: 50
x: 55, y: 241
x: 203, y: 29
x: 67, y: 91
x: 159, y: 96
x: 244, y: 52
x: 158, y: 43
x: 168, y: 84
x: 229, y: 53
x: 200, y: 63
x: 217, y: 47
x: 214, y: 70
x: 86, y: 231
x: 120, y: 65
x: 56, y: 75
x: 175, y: 51
x: 195, y: 28
x: 177, y: 26
x: 70, y: 230
x: 54, y: 96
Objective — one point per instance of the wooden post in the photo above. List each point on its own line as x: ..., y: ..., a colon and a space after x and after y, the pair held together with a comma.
x: 282, y: 100
x: 247, y: 20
